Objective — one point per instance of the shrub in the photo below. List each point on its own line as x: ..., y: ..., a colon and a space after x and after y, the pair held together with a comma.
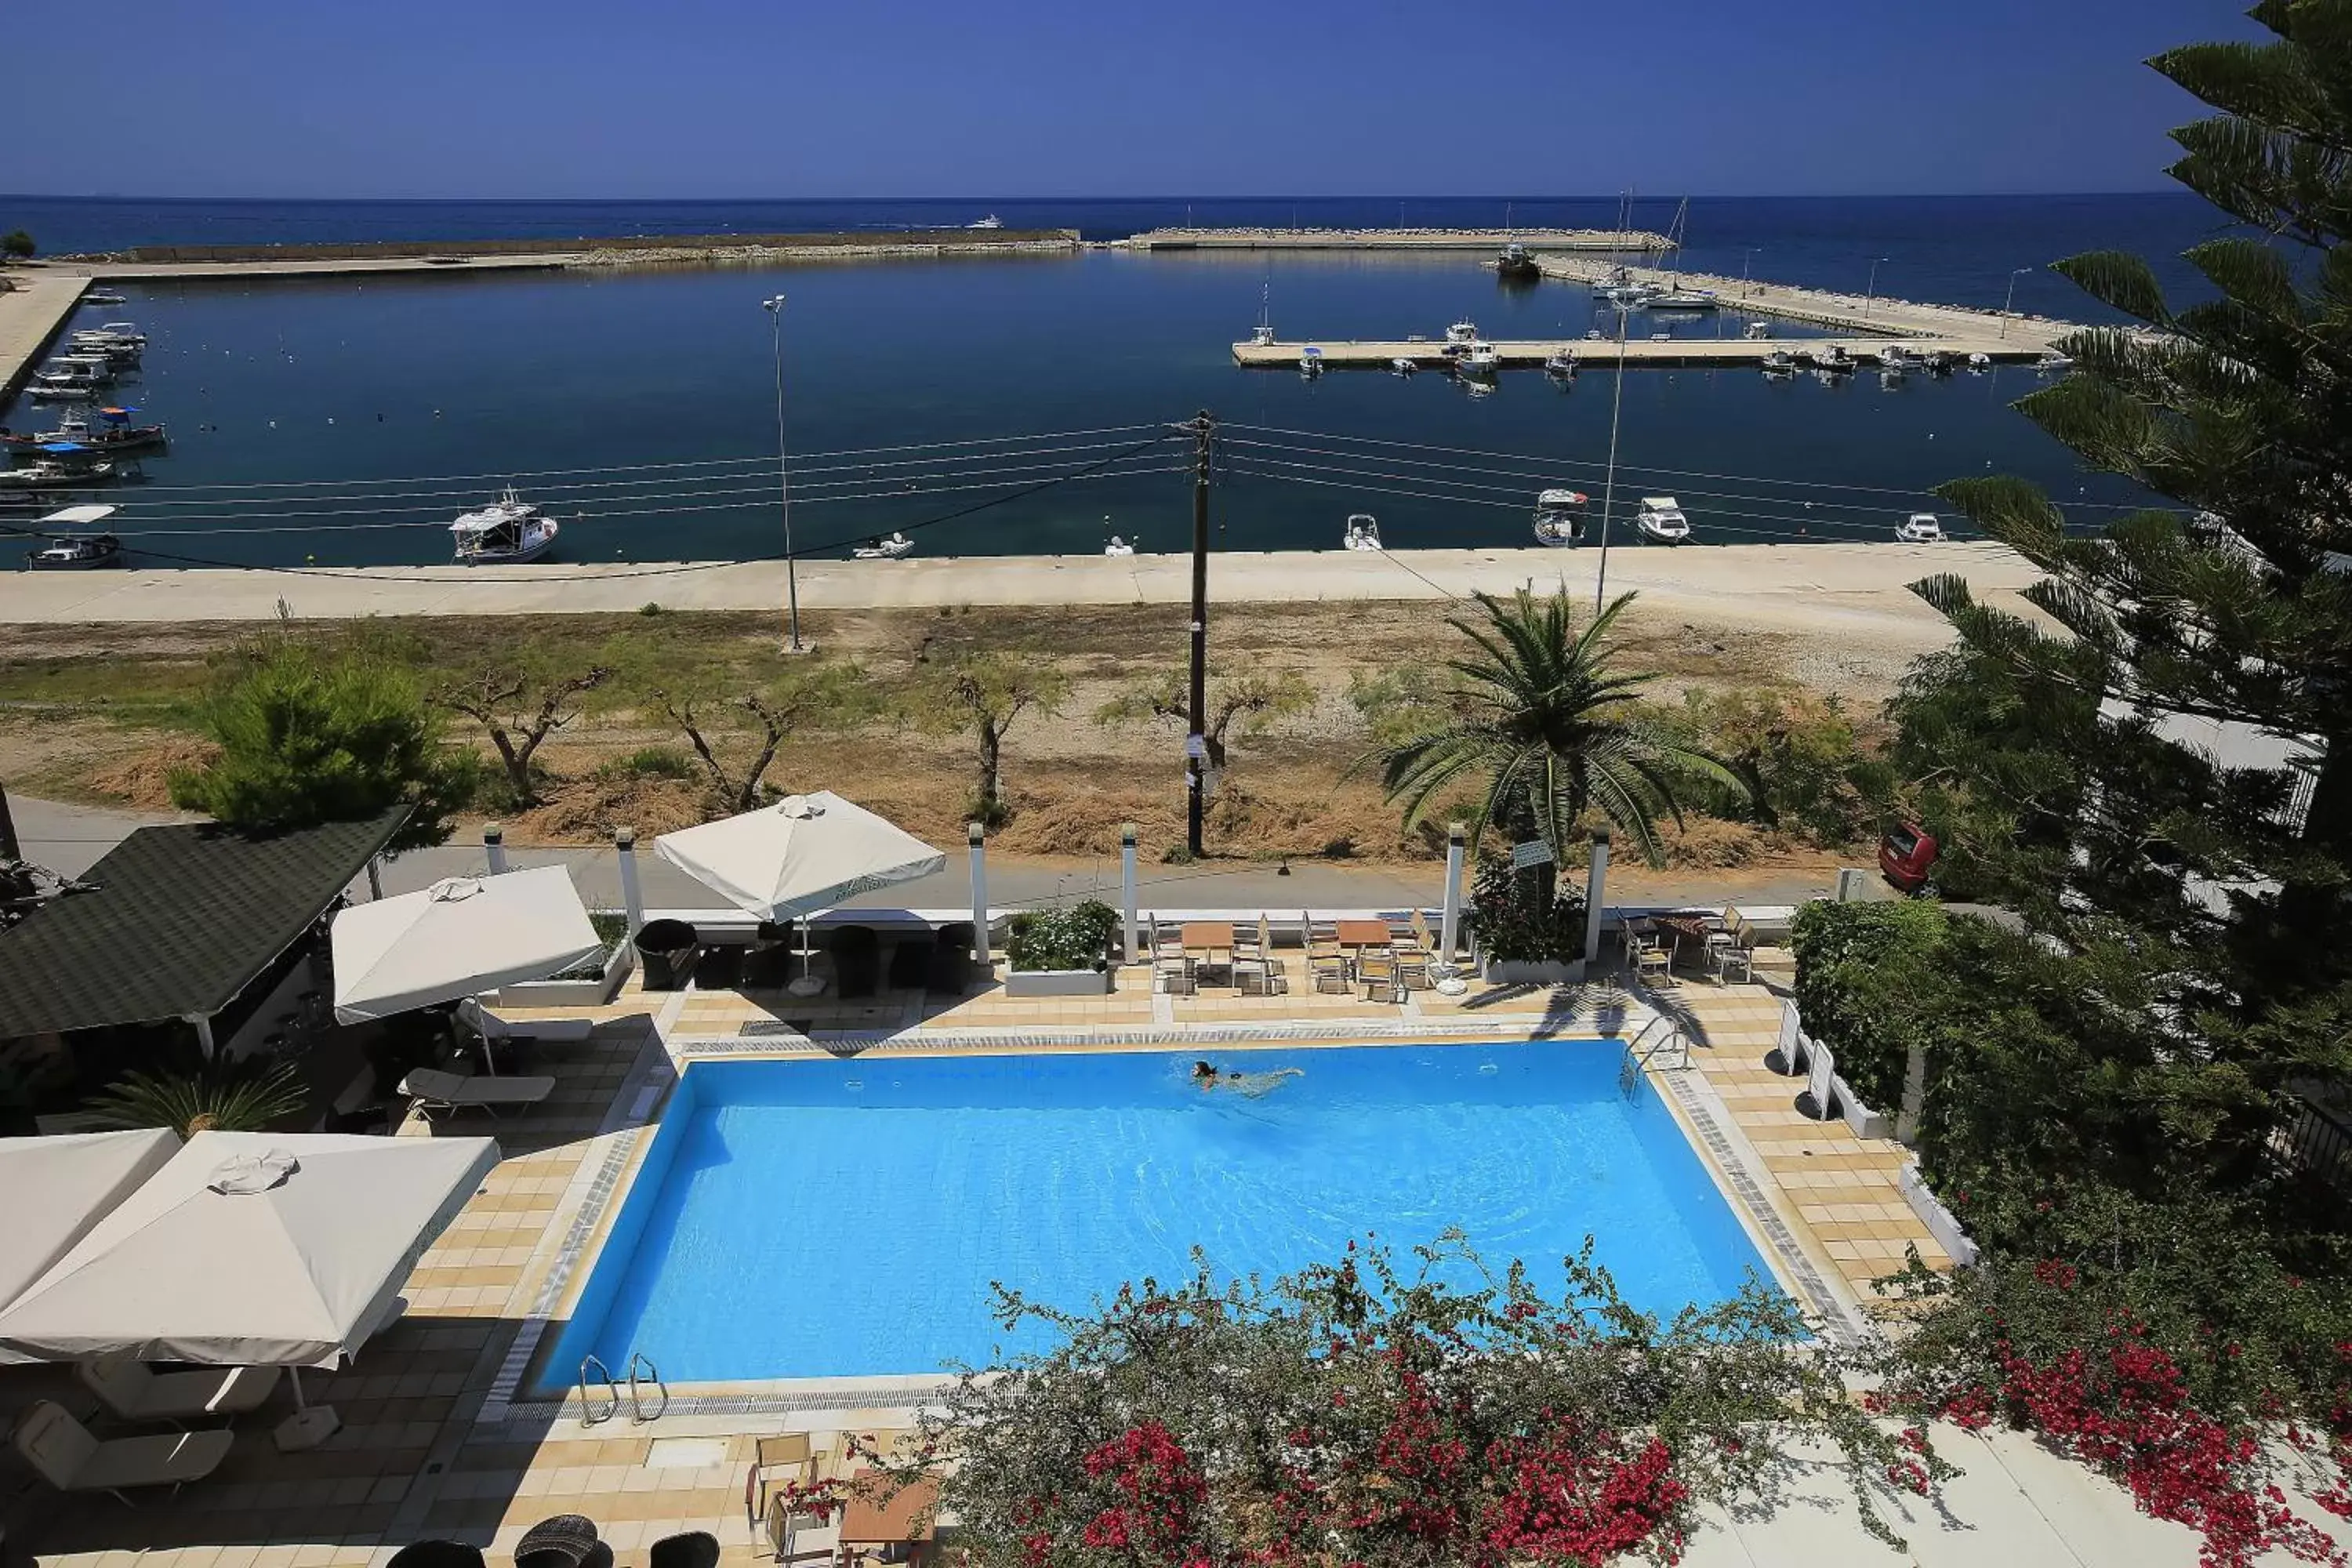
x: 1863, y: 971
x: 17, y: 245
x: 650, y: 762
x: 219, y: 1096
x: 1508, y: 925
x: 1075, y: 938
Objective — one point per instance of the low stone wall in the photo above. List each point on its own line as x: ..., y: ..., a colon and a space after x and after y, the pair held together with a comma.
x: 552, y: 245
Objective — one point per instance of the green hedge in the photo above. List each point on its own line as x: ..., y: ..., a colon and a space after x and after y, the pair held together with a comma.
x: 1863, y: 972
x: 1075, y: 938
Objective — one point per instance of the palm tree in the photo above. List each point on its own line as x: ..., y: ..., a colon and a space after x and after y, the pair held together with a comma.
x: 1541, y: 712
x: 217, y: 1097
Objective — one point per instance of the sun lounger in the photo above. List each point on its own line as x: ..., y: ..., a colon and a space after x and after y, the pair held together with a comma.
x: 71, y: 1461
x: 550, y: 1031
x: 432, y: 1090
x: 136, y: 1392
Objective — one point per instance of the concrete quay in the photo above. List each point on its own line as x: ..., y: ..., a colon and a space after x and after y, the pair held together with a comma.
x: 1601, y: 353
x: 1393, y: 239
x: 1880, y: 315
x: 31, y: 316
x: 1796, y: 587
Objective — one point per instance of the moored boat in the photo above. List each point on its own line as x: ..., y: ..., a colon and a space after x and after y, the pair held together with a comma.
x: 1480, y: 359
x: 881, y: 549
x: 1118, y: 546
x: 2052, y: 360
x: 1517, y: 261
x: 1560, y: 517
x: 1661, y: 518
x: 991, y: 221
x: 1684, y: 299
x: 1920, y: 528
x: 506, y: 531
x: 105, y: 297
x: 113, y: 433
x: 1311, y: 361
x: 1364, y: 532
x: 1463, y: 331
x: 1781, y: 361
x: 1404, y: 365
x: 1561, y: 362
x: 75, y: 551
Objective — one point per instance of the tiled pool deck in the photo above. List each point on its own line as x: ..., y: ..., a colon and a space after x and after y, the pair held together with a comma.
x: 440, y: 1440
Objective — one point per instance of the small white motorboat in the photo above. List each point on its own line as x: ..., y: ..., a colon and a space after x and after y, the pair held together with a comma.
x: 1560, y: 517
x: 1118, y: 546
x: 1403, y: 364
x: 1661, y: 518
x: 1480, y: 359
x: 1980, y: 360
x: 105, y: 297
x: 50, y: 475
x: 506, y: 532
x: 1364, y: 532
x: 1920, y: 528
x: 77, y: 553
x: 1463, y: 331
x: 991, y: 221
x: 1756, y: 331
x: 1892, y: 357
x: 1595, y: 335
x: 1779, y: 362
x: 1561, y: 362
x: 1311, y: 361
x: 879, y: 549
x: 2052, y: 360
x: 1834, y: 358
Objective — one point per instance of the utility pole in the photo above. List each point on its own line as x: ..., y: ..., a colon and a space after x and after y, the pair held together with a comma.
x: 2010, y: 298
x: 775, y: 309
x: 1609, y: 485
x: 1196, y: 744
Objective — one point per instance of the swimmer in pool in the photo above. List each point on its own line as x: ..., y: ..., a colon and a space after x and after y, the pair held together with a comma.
x: 1250, y: 1084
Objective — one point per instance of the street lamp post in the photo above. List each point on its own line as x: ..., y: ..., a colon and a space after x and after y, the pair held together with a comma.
x: 1746, y: 258
x: 2014, y: 273
x: 1609, y: 483
x: 1872, y: 296
x: 775, y: 309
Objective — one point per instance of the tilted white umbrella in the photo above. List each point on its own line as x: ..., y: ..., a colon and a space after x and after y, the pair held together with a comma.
x: 252, y: 1249
x: 58, y: 1187
x: 457, y: 937
x: 804, y: 853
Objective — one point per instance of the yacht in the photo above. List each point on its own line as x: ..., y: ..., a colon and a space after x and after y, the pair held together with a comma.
x: 80, y: 552
x: 1311, y: 361
x: 1118, y: 546
x: 1463, y: 331
x: 508, y: 531
x: 1920, y: 528
x: 1559, y: 517
x: 991, y: 221
x: 1661, y: 518
x: 1517, y: 261
x: 1561, y: 362
x: 1684, y: 299
x: 1263, y: 333
x: 1403, y: 364
x: 879, y: 549
x: 1364, y: 532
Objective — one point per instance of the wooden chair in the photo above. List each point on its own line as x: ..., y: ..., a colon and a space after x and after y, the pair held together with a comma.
x: 1653, y: 959
x: 1411, y: 969
x: 1375, y: 970
x: 786, y: 1457
x: 1175, y: 976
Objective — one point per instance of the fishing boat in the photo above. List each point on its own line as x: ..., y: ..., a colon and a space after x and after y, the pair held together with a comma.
x: 1934, y: 362
x: 1560, y: 517
x: 508, y: 531
x: 1480, y: 359
x: 878, y: 549
x: 1311, y: 361
x: 55, y: 473
x: 1834, y: 358
x: 1516, y: 262
x: 1779, y: 362
x: 1364, y: 532
x: 1118, y: 546
x: 1403, y: 364
x: 1892, y: 357
x: 991, y: 221
x: 1463, y: 331
x: 1920, y: 528
x: 1661, y: 518
x: 113, y: 433
x: 75, y: 553
x: 1561, y: 362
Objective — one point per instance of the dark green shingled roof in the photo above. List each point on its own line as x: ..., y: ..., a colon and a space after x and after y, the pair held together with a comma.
x: 183, y: 920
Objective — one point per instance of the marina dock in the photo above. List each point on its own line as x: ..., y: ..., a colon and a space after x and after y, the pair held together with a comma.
x: 1644, y: 351
x: 1880, y: 316
x: 1490, y: 240
x: 31, y: 316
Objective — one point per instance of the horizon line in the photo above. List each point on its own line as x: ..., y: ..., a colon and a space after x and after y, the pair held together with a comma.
x: 1000, y: 197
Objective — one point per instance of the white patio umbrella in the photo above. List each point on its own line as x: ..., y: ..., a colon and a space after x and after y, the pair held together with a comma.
x: 252, y: 1249
x: 460, y: 936
x: 57, y: 1187
x: 804, y: 853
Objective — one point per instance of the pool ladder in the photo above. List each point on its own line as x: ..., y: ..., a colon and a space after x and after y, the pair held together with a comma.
x: 592, y: 1370
x: 1629, y: 1070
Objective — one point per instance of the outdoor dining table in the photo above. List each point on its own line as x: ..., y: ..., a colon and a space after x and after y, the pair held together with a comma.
x: 873, y: 1518
x: 1361, y: 934
x: 1688, y: 927
x: 1208, y: 939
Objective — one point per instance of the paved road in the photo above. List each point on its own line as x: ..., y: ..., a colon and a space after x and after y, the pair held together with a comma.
x: 70, y: 839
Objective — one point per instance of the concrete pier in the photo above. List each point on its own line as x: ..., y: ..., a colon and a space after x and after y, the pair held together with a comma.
x: 31, y: 316
x: 1644, y: 351
x: 1881, y: 315
x: 1490, y: 240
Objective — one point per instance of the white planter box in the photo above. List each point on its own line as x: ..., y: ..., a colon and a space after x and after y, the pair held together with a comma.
x: 1555, y: 972
x: 1056, y: 981
x: 590, y: 992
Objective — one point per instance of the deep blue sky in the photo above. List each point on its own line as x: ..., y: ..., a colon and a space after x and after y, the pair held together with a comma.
x: 830, y: 98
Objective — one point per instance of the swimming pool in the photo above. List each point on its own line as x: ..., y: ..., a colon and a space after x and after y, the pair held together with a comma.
x: 823, y: 1217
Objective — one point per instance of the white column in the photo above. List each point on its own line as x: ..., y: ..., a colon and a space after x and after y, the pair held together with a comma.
x: 204, y: 1034
x: 979, y: 894
x: 493, y: 846
x: 632, y: 902
x: 1127, y: 888
x: 1449, y: 926
x: 1596, y: 887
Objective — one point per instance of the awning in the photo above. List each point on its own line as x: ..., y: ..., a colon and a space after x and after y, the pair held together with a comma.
x: 58, y: 1187
x: 457, y: 937
x: 252, y: 1249
x: 805, y: 853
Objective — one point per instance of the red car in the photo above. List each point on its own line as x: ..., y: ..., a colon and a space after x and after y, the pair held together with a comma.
x: 1906, y: 855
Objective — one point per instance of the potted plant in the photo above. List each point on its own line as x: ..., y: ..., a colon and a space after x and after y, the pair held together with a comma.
x: 1521, y: 940
x: 1060, y: 953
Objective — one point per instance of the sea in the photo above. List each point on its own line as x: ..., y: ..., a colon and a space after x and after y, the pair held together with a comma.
x: 1039, y: 404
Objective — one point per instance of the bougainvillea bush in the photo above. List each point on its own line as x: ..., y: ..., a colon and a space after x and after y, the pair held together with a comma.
x: 1357, y: 1414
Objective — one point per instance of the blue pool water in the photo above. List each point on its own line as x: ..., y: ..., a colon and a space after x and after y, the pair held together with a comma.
x: 820, y: 1218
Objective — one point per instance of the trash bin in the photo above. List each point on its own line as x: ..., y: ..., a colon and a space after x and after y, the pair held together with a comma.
x: 666, y: 951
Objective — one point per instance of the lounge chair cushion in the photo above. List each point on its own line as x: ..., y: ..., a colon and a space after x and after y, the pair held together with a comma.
x: 71, y: 1461
x: 136, y: 1392
x: 439, y: 1087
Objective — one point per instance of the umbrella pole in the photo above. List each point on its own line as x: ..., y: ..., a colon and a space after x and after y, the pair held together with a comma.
x: 310, y: 1425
